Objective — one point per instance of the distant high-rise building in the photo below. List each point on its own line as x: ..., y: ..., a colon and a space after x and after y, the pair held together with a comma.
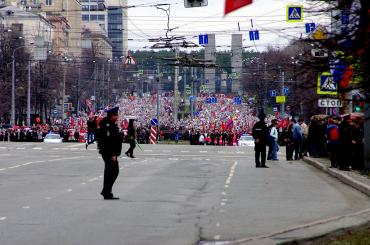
x: 110, y: 16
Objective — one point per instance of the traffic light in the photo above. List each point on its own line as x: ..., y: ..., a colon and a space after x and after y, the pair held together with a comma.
x: 358, y: 103
x: 195, y: 3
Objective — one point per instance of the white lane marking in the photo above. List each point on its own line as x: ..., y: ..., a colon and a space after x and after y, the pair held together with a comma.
x: 217, y: 237
x: 223, y: 193
x: 184, y: 151
x: 75, y: 149
x: 26, y: 207
x: 69, y: 190
x: 100, y: 176
x: 240, y: 152
x: 226, y: 186
x: 208, y: 159
x: 166, y: 151
x: 65, y: 158
x: 37, y: 148
x: 74, y: 145
x: 203, y: 151
x: 5, y: 155
x: 2, y: 218
x: 93, y: 179
x: 83, y: 183
x: 20, y: 148
x: 16, y: 166
x: 218, y: 224
x: 148, y: 150
x: 2, y: 147
x: 173, y: 159
x: 223, y: 204
x: 2, y: 169
x: 224, y: 199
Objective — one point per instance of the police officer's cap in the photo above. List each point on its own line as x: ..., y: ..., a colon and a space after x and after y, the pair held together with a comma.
x: 112, y: 111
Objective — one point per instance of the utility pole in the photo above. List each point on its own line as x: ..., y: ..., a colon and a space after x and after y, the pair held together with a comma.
x: 192, y: 92
x: 102, y: 91
x: 29, y: 95
x: 108, y: 92
x: 95, y: 71
x: 64, y: 91
x: 176, y: 87
x: 158, y: 133
x: 78, y: 90
x: 265, y: 89
x: 12, y: 120
x: 282, y: 105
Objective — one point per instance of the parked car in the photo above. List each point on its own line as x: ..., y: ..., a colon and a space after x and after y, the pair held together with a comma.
x: 53, y: 138
x: 246, y: 140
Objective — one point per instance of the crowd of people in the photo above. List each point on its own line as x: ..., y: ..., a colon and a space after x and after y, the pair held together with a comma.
x: 221, y: 123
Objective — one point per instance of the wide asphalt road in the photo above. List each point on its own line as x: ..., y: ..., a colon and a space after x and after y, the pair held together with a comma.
x: 170, y: 194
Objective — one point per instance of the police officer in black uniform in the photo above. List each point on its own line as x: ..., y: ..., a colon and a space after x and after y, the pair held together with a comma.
x: 110, y: 146
x: 260, y: 134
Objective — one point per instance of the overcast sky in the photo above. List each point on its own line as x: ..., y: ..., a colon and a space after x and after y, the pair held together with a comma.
x: 269, y: 17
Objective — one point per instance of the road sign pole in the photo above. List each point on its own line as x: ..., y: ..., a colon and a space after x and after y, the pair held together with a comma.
x: 282, y: 106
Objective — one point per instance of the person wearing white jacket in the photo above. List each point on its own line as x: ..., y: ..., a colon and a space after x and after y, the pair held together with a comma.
x: 274, y: 136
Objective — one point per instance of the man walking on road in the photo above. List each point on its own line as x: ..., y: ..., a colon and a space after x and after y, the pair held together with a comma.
x: 110, y: 146
x: 259, y: 134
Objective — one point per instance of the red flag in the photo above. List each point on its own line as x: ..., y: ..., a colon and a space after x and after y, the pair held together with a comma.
x: 231, y: 5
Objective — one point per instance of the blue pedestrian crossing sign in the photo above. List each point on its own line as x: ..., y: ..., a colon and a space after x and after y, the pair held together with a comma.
x: 203, y: 39
x: 254, y: 35
x: 326, y: 84
x: 294, y: 13
x: 154, y: 122
x: 310, y: 27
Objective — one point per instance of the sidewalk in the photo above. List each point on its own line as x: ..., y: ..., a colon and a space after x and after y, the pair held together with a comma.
x: 351, y: 178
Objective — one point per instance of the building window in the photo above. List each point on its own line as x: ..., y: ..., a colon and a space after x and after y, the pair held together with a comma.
x: 93, y: 17
x: 49, y: 2
x: 101, y: 17
x: 85, y: 17
x: 85, y: 7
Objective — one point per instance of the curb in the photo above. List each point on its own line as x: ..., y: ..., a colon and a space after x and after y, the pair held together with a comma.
x: 339, y: 175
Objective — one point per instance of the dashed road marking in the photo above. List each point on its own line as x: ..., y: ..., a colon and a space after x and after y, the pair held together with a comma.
x: 203, y: 151
x: 217, y: 237
x: 184, y: 151
x: 69, y: 190
x: 218, y: 224
x: 93, y: 179
x: 26, y: 207
x: 148, y: 150
x: 37, y: 148
x: 2, y: 218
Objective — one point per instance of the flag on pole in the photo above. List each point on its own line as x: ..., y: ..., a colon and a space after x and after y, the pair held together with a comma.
x: 232, y: 5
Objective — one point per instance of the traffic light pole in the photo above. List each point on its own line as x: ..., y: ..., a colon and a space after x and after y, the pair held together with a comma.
x: 176, y: 87
x: 29, y: 95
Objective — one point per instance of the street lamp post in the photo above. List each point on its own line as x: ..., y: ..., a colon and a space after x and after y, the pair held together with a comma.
x: 12, y: 119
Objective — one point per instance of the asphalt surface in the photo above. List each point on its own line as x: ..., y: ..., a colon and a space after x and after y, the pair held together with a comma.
x: 170, y: 194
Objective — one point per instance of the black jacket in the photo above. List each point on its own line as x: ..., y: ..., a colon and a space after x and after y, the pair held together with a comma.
x: 109, y: 138
x: 260, y: 132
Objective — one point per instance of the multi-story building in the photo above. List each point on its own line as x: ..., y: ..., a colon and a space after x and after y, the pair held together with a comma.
x: 110, y: 16
x: 71, y: 11
x: 96, y: 44
x: 60, y: 35
x: 32, y: 27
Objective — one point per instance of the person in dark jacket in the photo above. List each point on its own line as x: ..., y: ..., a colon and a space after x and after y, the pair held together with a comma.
x: 110, y: 146
x: 91, y: 131
x: 131, y: 135
x: 345, y: 144
x: 260, y: 134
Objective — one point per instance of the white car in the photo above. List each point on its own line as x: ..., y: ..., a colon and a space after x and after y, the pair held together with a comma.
x: 53, y: 138
x: 246, y: 140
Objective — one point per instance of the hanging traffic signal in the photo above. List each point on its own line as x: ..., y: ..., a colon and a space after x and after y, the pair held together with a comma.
x: 358, y: 103
x: 195, y: 3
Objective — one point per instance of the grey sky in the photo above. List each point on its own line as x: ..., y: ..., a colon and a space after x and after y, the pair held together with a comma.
x: 269, y: 17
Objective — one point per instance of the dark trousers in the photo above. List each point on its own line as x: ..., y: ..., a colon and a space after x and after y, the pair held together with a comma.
x: 269, y: 153
x: 345, y: 156
x: 297, y: 150
x: 111, y: 171
x: 333, y: 154
x: 260, y: 152
x: 289, y: 151
x: 130, y: 150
